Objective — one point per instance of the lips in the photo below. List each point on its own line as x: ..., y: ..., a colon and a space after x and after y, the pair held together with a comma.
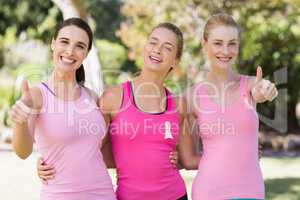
x: 155, y: 59
x: 224, y: 59
x: 67, y: 61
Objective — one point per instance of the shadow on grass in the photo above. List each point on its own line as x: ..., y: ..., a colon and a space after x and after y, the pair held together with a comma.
x: 283, y: 189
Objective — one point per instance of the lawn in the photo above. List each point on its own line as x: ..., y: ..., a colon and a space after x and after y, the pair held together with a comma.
x: 282, y: 178
x: 281, y: 175
x: 18, y: 179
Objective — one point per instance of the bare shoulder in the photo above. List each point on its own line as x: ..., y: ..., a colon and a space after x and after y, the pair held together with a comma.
x: 111, y: 99
x: 181, y: 104
x: 92, y: 94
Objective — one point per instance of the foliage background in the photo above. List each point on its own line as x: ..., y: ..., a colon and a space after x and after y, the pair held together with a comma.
x: 270, y: 38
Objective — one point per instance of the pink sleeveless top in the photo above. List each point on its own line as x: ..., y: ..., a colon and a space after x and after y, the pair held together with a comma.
x: 68, y: 135
x: 229, y: 167
x: 141, y: 144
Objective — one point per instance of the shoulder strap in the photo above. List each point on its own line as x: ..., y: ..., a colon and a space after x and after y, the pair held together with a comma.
x: 48, y: 88
x: 44, y: 97
x: 126, y: 96
x: 170, y: 101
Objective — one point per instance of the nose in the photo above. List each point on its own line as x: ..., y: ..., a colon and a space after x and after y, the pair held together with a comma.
x: 157, y: 49
x: 69, y: 50
x: 225, y: 50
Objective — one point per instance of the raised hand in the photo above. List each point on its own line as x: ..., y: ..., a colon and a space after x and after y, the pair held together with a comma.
x: 23, y: 107
x: 263, y: 89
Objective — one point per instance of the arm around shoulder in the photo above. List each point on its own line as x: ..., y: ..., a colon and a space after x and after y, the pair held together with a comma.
x: 110, y: 101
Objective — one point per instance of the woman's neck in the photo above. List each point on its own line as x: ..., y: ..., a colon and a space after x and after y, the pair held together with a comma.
x: 221, y: 76
x: 149, y: 83
x: 63, y: 84
x: 150, y: 78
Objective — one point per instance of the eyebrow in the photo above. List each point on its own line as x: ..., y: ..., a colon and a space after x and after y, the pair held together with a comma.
x: 82, y: 43
x: 218, y: 40
x: 169, y: 43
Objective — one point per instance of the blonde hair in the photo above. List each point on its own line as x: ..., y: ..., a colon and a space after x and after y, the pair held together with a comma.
x: 217, y: 20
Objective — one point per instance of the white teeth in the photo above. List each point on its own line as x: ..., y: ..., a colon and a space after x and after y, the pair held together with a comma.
x: 67, y: 60
x: 155, y: 59
x: 224, y: 59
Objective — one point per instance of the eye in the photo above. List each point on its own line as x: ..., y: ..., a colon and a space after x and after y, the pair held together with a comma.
x: 64, y: 41
x: 81, y: 46
x: 168, y: 48
x: 232, y: 44
x: 218, y: 43
x: 152, y: 42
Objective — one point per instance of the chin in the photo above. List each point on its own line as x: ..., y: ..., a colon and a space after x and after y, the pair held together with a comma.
x: 66, y: 68
x: 223, y: 65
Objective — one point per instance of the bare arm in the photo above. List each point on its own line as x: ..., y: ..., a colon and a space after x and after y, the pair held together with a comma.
x: 106, y: 148
x: 187, y: 155
x: 21, y: 115
x: 109, y: 104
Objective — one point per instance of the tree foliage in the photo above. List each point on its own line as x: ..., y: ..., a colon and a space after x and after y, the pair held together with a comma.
x: 270, y: 36
x: 39, y: 17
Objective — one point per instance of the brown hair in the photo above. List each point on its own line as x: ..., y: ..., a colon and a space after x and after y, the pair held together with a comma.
x: 80, y: 23
x: 217, y: 20
x: 177, y: 32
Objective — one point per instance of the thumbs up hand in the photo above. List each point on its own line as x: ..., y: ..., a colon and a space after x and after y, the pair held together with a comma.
x: 26, y: 97
x: 23, y: 107
x: 259, y: 74
x: 263, y: 90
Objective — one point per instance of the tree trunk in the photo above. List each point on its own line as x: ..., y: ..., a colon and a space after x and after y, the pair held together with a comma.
x: 77, y: 8
x: 293, y: 124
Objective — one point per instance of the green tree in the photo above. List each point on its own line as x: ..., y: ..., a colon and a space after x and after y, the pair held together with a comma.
x: 29, y: 16
x: 270, y: 38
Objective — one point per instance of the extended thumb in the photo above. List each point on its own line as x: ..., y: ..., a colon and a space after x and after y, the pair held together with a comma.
x: 259, y: 74
x: 25, y: 87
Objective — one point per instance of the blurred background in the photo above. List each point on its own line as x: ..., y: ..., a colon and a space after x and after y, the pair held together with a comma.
x: 270, y: 38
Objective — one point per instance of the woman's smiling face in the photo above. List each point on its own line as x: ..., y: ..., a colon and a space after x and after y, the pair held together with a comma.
x: 222, y: 46
x: 70, y: 48
x: 160, y: 51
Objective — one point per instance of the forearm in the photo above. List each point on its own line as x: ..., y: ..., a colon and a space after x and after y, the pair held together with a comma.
x: 191, y: 163
x: 109, y: 161
x: 108, y: 157
x: 22, y: 141
x: 194, y: 162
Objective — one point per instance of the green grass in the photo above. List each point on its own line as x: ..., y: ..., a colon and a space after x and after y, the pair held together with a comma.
x: 281, y: 175
x: 283, y: 189
x: 282, y: 178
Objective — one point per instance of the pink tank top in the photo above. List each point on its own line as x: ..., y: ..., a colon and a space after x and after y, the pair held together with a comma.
x: 141, y: 144
x: 229, y: 167
x: 68, y: 135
